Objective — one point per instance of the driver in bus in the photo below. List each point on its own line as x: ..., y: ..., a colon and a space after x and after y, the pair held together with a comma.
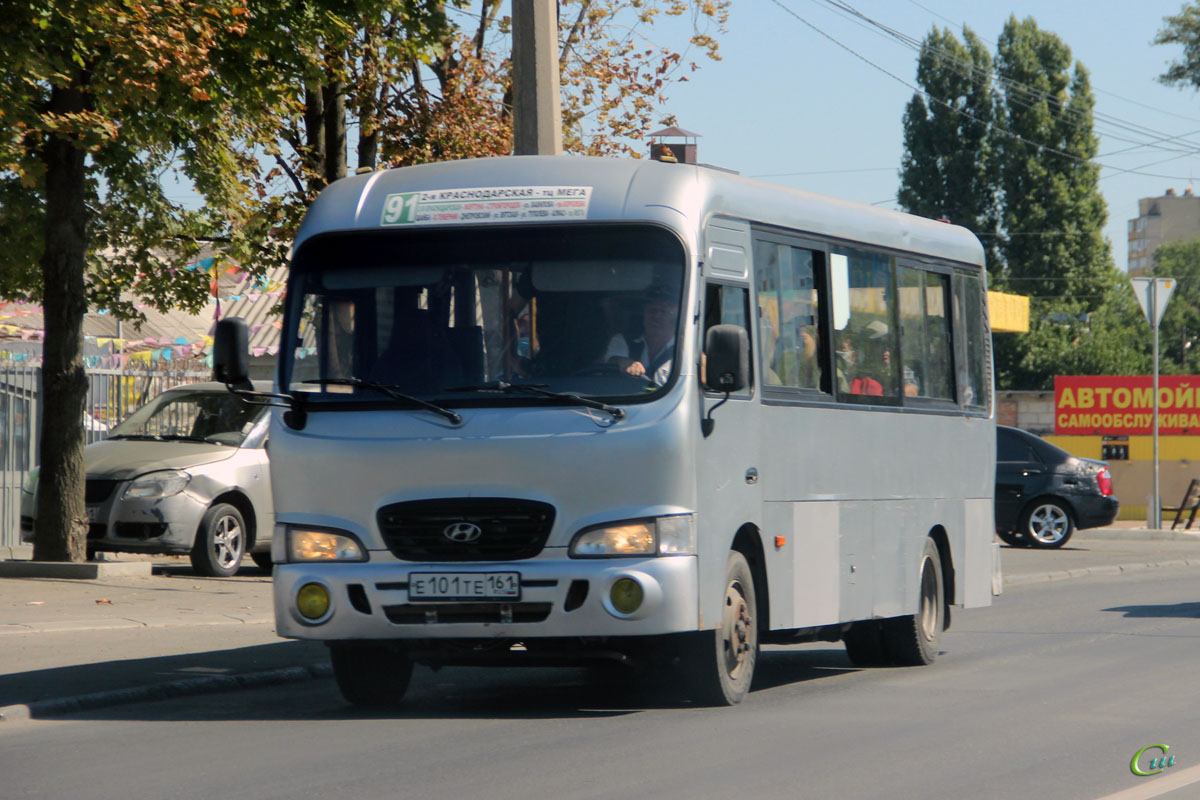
x: 649, y: 355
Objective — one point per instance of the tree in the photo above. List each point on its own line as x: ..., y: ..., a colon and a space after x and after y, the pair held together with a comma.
x: 1179, y: 329
x: 1037, y: 161
x: 97, y: 101
x: 948, y: 170
x: 413, y: 82
x: 1182, y: 29
x: 1052, y: 211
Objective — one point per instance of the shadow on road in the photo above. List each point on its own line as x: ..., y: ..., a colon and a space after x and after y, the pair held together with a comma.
x: 1172, y: 610
x: 449, y: 693
x: 37, y: 686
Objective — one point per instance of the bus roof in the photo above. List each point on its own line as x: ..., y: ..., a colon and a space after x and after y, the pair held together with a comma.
x: 682, y: 196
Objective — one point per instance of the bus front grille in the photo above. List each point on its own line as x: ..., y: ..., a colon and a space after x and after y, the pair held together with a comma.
x: 466, y: 529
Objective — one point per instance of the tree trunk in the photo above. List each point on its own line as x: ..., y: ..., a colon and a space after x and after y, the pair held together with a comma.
x: 314, y: 134
x: 334, y: 95
x: 61, y: 532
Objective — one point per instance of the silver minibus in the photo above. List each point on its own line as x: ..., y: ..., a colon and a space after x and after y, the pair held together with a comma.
x: 575, y: 410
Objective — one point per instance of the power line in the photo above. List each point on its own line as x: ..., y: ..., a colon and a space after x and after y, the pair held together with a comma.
x: 991, y: 125
x: 1019, y: 93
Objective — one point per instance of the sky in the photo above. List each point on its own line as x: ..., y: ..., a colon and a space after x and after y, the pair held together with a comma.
x: 792, y: 106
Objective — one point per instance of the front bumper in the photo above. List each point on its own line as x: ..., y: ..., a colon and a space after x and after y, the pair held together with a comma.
x: 559, y: 598
x: 166, y: 525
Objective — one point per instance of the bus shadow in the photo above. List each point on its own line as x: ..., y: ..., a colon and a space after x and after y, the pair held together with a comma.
x: 777, y: 668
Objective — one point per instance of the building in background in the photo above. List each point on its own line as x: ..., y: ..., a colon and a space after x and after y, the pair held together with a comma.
x: 1170, y: 218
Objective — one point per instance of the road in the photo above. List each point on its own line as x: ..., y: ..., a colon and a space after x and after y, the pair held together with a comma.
x: 1047, y: 694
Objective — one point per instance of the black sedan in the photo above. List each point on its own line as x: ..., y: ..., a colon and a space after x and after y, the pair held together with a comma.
x: 1043, y: 493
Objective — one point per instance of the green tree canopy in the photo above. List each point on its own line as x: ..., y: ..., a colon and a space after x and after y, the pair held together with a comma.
x: 1030, y: 178
x: 1179, y: 330
x: 947, y: 171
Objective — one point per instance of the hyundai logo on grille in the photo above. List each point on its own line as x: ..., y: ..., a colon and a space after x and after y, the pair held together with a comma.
x: 462, y: 532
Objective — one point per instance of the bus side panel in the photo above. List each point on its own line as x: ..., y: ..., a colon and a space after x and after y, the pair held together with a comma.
x: 804, y: 576
x: 975, y: 565
x: 856, y: 524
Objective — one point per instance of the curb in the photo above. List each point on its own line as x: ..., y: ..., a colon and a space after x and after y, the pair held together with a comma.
x: 1112, y: 569
x: 164, y: 691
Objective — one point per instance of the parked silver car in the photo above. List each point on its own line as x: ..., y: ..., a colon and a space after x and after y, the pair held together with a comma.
x: 185, y: 473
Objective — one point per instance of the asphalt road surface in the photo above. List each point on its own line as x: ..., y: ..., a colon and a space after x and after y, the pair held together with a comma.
x: 1047, y: 694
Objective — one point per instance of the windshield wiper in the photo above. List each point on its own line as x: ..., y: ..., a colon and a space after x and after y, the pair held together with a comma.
x: 140, y: 437
x: 504, y: 387
x: 394, y: 393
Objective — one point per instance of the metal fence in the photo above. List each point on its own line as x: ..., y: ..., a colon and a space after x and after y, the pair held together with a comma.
x: 112, y: 395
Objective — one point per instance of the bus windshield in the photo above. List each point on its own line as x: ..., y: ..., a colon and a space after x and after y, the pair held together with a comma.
x: 466, y: 316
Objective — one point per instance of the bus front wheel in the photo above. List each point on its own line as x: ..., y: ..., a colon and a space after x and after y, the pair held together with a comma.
x: 719, y: 664
x: 371, y: 675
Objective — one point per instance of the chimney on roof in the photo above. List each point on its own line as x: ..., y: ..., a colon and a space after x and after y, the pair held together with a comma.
x: 673, y: 152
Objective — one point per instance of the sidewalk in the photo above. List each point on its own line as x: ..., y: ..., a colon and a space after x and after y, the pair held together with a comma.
x: 66, y: 645
x: 72, y: 644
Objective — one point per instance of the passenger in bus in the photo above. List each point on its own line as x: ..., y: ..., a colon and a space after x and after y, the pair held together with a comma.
x: 796, y: 356
x: 650, y: 355
x: 859, y: 361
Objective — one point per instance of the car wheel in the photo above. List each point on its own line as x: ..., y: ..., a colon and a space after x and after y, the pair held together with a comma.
x: 915, y: 639
x: 1047, y: 523
x: 1012, y: 538
x: 220, y: 542
x: 719, y: 665
x: 262, y: 560
x: 371, y: 675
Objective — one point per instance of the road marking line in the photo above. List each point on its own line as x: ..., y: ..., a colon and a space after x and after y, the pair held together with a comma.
x: 1158, y: 787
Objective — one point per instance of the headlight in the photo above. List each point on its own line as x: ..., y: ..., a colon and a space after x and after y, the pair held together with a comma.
x: 156, y: 485
x: 304, y: 544
x: 664, y: 536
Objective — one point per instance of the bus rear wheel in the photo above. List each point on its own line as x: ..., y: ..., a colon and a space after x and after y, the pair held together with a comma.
x: 719, y: 665
x: 371, y: 675
x: 915, y: 639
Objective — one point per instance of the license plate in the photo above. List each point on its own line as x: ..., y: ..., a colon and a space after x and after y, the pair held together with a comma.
x: 93, y: 513
x: 464, y: 586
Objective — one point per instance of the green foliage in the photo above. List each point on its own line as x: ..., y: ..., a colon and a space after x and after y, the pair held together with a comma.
x: 1031, y: 179
x: 1179, y: 330
x: 948, y: 169
x: 1182, y: 29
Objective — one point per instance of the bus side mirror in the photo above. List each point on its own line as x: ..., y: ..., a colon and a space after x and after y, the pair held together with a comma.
x: 231, y: 352
x: 727, y: 362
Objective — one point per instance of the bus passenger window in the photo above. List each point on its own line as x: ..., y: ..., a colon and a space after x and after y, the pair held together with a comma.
x: 865, y: 341
x: 788, y: 314
x: 927, y: 369
x: 726, y: 305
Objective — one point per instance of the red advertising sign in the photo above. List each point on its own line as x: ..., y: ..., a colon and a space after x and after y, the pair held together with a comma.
x: 1124, y: 404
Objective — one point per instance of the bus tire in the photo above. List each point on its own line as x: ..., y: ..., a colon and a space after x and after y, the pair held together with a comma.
x: 372, y: 676
x: 719, y: 664
x: 915, y: 639
x: 865, y: 646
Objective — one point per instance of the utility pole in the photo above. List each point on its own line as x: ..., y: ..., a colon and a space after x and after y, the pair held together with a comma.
x: 537, y: 107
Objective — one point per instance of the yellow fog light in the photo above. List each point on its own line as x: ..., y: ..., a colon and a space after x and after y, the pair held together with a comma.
x: 312, y: 601
x: 626, y: 595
